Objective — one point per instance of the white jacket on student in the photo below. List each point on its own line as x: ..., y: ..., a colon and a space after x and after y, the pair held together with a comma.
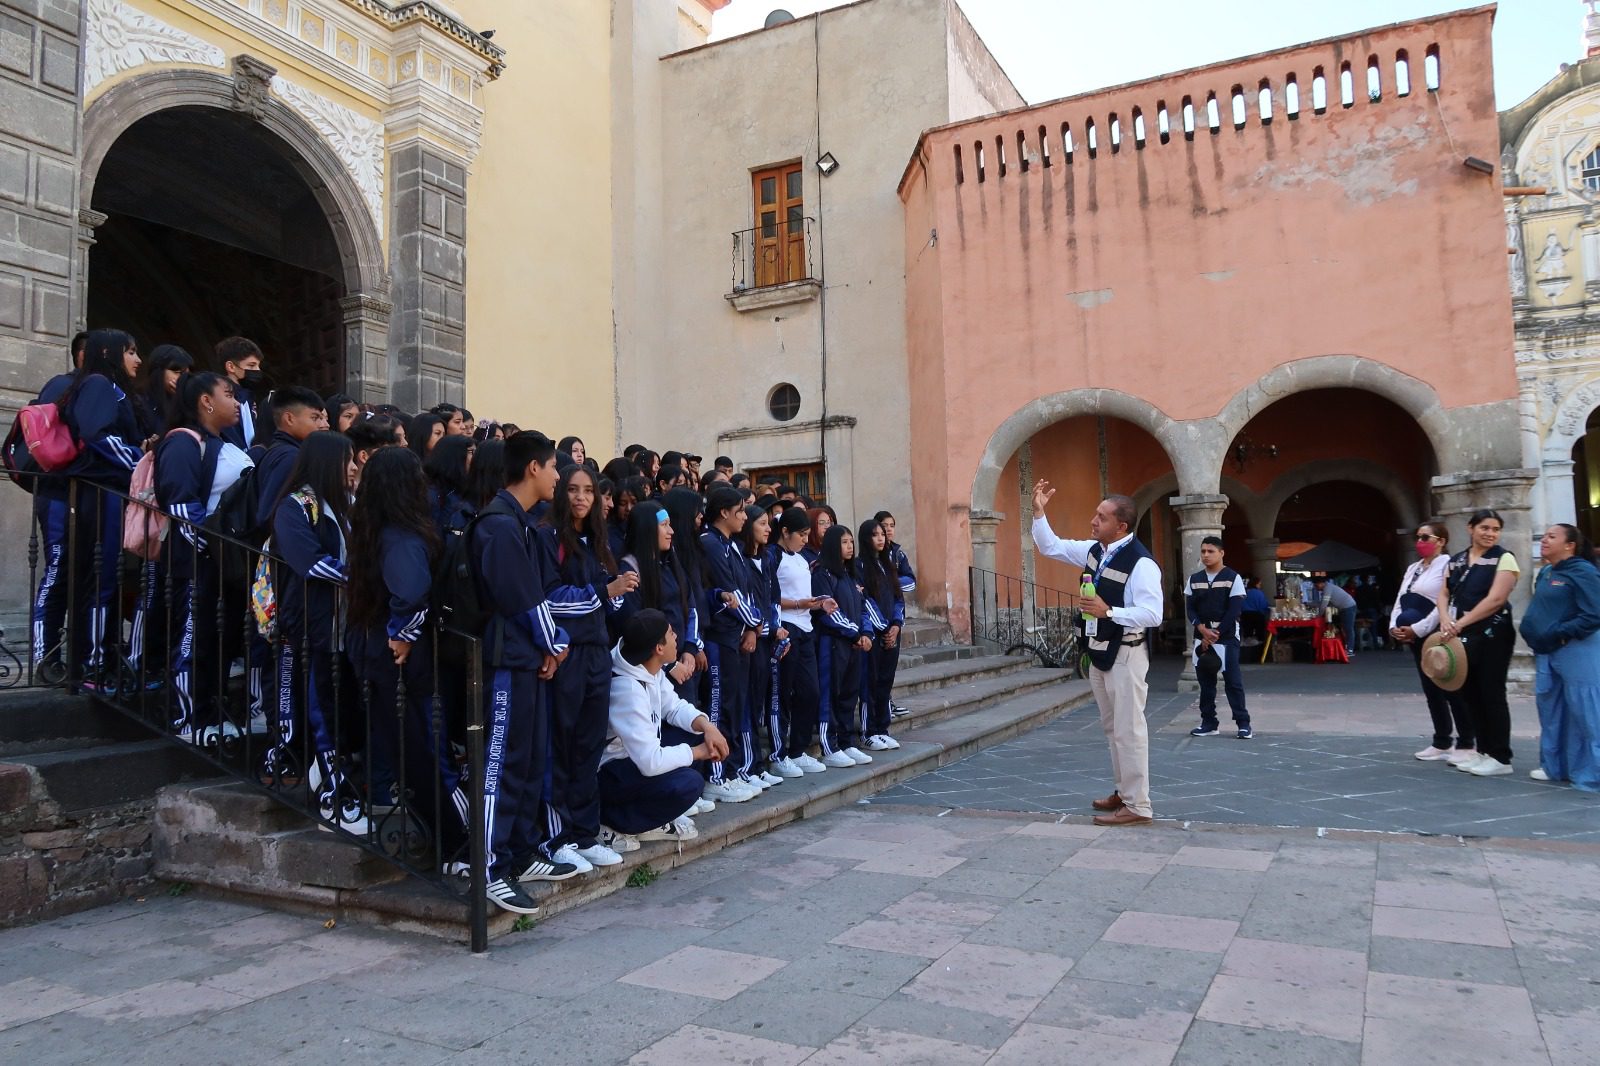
x: 640, y: 702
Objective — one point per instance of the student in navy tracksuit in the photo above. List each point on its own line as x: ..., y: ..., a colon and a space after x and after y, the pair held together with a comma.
x: 578, y: 565
x: 194, y: 466
x: 771, y: 645
x: 96, y: 407
x: 163, y: 369
x: 241, y: 362
x: 897, y: 554
x: 886, y: 613
x: 731, y: 630
x: 393, y: 547
x: 840, y: 646
x: 799, y: 694
x: 822, y: 519
x: 522, y: 648
x: 50, y: 514
x: 447, y: 468
x: 310, y: 533
x: 663, y: 586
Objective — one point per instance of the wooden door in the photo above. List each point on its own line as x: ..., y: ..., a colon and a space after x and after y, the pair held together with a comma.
x: 780, y: 251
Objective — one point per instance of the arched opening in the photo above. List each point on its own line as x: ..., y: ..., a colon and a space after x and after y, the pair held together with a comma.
x: 1350, y: 512
x: 1586, y: 476
x: 211, y: 231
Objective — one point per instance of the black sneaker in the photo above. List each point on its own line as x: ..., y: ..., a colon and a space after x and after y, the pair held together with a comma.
x: 510, y: 896
x: 540, y: 868
x: 1203, y: 731
x: 1246, y: 733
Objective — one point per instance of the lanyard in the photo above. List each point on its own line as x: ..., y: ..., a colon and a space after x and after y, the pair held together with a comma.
x: 1105, y: 559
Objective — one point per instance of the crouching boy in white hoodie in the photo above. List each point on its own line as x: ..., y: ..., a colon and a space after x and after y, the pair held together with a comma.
x: 648, y: 783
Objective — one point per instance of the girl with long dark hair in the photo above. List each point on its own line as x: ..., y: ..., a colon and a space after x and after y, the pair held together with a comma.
x: 95, y: 405
x: 772, y: 643
x: 1478, y: 589
x: 448, y: 468
x: 573, y: 540
x: 487, y: 474
x: 194, y: 466
x: 343, y: 412
x: 393, y: 548
x: 310, y: 533
x: 650, y: 551
x: 886, y: 612
x: 162, y: 371
x: 840, y: 646
x: 423, y: 432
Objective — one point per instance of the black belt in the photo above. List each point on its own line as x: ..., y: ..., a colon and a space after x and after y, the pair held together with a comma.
x: 1133, y: 643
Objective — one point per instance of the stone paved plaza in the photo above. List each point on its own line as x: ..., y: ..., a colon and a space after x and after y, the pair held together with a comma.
x: 912, y: 930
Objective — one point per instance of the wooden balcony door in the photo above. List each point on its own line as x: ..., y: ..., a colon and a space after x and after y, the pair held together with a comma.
x: 780, y: 244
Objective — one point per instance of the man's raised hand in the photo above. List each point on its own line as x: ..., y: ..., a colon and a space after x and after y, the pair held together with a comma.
x: 1042, y: 492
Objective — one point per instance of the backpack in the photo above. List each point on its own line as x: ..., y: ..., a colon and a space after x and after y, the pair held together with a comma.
x: 454, y: 600
x: 144, y: 523
x: 237, y: 519
x: 16, y: 461
x: 50, y: 442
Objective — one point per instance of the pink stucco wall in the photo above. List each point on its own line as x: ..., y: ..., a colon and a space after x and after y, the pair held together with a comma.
x: 1182, y: 272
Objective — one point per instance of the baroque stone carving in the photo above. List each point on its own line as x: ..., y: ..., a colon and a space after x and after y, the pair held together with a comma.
x: 252, y: 85
x: 120, y: 38
x: 355, y: 139
x: 1576, y: 408
x: 1518, y: 265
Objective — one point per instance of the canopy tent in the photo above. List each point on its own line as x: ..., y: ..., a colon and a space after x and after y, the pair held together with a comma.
x: 1331, y: 556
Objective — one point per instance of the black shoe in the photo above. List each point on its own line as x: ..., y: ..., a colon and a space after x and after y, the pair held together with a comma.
x: 510, y: 896
x: 1245, y: 733
x: 540, y: 868
x: 1203, y: 731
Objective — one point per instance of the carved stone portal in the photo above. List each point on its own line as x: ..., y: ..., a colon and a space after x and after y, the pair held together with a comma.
x: 252, y: 85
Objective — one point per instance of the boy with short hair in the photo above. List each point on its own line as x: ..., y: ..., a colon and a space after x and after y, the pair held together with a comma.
x: 241, y: 362
x: 296, y: 413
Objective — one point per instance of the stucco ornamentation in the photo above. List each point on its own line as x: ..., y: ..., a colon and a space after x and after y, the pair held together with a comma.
x: 1575, y: 410
x: 356, y: 140
x: 1517, y: 263
x: 121, y: 38
x: 252, y: 85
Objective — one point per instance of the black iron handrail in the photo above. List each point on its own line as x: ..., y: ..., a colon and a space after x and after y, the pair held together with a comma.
x: 385, y: 796
x: 1011, y: 615
x: 749, y: 256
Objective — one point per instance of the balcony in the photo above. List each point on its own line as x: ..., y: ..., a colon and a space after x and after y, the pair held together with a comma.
x: 772, y: 266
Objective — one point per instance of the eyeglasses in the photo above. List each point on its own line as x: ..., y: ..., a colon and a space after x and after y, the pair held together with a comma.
x: 1427, y: 536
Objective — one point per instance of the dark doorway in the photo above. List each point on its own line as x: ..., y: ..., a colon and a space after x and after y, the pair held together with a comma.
x: 1346, y: 511
x: 211, y: 232
x: 1586, y: 477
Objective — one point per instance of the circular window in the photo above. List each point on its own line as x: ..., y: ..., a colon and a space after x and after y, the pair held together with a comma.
x: 784, y: 402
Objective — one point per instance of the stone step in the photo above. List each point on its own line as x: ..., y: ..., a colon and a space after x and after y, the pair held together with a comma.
x: 939, y: 704
x: 411, y: 905
x: 48, y: 719
x: 104, y: 775
x: 922, y: 631
x: 929, y: 676
x: 242, y: 808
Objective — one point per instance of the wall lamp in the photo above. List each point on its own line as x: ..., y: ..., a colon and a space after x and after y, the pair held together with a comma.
x: 827, y: 164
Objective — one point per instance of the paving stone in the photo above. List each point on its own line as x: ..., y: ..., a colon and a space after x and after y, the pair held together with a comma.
x: 948, y: 908
x: 1143, y: 1012
x: 1261, y: 1003
x: 1004, y: 981
x: 1034, y: 1043
x: 701, y: 971
x: 905, y: 936
x: 905, y: 1014
x: 777, y: 1014
x: 1169, y: 931
x: 854, y: 971
x: 1570, y: 1041
x: 1222, y: 858
x: 1460, y: 962
x: 1138, y: 964
x: 1428, y: 1003
x: 1061, y: 928
x: 872, y: 1046
x: 1414, y: 1043
x: 713, y: 1047
x: 1200, y: 892
x: 1412, y: 923
x: 1303, y: 965
x: 606, y: 1025
x: 1211, y: 1043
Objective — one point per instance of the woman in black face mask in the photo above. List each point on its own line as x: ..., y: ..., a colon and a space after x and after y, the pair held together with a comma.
x: 241, y: 362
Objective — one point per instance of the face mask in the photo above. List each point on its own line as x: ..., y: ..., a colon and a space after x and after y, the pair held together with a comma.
x: 253, y: 380
x: 1427, y: 548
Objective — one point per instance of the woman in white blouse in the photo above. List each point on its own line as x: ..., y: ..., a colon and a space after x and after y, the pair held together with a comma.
x: 1415, y: 615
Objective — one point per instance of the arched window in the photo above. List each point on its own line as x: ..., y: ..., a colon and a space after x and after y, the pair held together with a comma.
x: 1044, y: 146
x: 1066, y: 142
x: 1291, y: 97
x: 1188, y: 119
x: 1374, y: 81
x: 1431, y: 73
x: 1240, y: 111
x: 977, y: 159
x: 1163, y: 122
x: 1000, y: 152
x: 1022, y: 151
x: 1138, y: 128
x: 1116, y: 133
x: 1090, y: 137
x: 1264, y: 103
x: 961, y: 176
x: 1347, y: 86
x: 1402, y: 73
x: 1319, y: 91
x: 1213, y: 113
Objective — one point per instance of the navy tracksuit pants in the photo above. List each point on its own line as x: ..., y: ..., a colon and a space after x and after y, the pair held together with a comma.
x: 514, y: 768
x: 763, y: 711
x: 579, y: 711
x: 1233, y: 686
x: 839, y: 675
x: 726, y: 689
x: 878, y: 668
x: 632, y: 803
x: 799, y: 696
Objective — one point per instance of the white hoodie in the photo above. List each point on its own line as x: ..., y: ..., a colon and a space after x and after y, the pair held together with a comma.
x: 640, y: 702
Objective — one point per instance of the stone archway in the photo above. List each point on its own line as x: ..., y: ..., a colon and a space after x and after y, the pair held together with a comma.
x: 1360, y: 471
x: 1556, y: 463
x: 364, y: 308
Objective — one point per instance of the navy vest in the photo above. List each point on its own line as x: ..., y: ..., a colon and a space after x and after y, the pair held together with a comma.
x: 1110, y: 585
x: 1208, y: 600
x: 1470, y: 583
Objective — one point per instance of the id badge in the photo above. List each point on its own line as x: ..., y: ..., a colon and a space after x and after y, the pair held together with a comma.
x: 1090, y: 627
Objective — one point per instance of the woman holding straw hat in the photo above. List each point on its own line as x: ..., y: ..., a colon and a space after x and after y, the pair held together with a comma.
x: 1478, y: 590
x: 1562, y: 627
x: 1414, y: 617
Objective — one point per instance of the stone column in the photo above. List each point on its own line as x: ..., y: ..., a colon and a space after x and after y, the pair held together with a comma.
x: 1509, y: 492
x: 1560, y: 499
x: 984, y: 529
x: 428, y: 257
x: 88, y: 221
x: 1198, y: 517
x: 366, y: 347
x: 1264, y: 563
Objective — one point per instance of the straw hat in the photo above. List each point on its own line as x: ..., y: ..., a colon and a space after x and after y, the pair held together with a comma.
x: 1444, y: 661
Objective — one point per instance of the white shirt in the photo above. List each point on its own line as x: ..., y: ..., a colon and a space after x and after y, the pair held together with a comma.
x: 794, y: 583
x: 231, y: 464
x: 639, y: 703
x: 1425, y: 579
x: 1141, y: 594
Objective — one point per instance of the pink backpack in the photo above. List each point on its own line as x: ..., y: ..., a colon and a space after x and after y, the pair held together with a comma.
x: 50, y: 440
x: 144, y: 523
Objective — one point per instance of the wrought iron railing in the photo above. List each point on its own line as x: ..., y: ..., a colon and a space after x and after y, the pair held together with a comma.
x: 774, y: 254
x: 351, y: 742
x: 1011, y: 615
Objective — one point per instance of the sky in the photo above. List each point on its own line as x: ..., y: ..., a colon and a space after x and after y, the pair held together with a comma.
x: 1055, y: 48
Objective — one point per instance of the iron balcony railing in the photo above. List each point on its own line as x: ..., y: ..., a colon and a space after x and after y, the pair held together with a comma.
x: 776, y: 253
x: 347, y: 743
x: 1011, y: 615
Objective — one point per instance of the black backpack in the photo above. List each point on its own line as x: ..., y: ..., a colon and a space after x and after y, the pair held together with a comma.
x: 17, y: 464
x: 454, y: 599
x: 237, y: 517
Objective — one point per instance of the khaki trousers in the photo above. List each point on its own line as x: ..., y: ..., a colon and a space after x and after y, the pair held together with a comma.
x: 1120, y: 692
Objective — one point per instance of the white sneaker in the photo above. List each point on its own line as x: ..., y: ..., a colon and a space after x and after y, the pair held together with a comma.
x: 1433, y: 754
x: 236, y: 670
x: 838, y: 759
x: 1488, y: 766
x: 857, y: 756
x: 600, y: 855
x: 618, y: 841
x: 727, y: 792
x: 753, y: 782
x: 702, y: 806
x: 568, y: 853
x: 258, y: 722
x: 680, y: 828
x: 808, y: 765
x: 786, y: 768
x: 894, y: 745
x: 769, y: 778
x: 1461, y: 755
x: 1466, y: 765
x: 1538, y: 774
x: 879, y: 742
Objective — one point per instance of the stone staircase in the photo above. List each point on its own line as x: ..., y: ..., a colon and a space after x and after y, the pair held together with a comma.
x: 234, y: 840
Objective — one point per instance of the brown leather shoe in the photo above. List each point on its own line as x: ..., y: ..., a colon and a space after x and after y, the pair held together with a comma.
x: 1122, y: 816
x: 1112, y: 802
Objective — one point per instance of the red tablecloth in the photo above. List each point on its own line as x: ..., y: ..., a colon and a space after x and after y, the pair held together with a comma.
x: 1275, y: 625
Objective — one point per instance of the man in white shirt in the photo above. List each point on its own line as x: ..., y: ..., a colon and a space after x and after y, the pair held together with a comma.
x: 1124, y: 602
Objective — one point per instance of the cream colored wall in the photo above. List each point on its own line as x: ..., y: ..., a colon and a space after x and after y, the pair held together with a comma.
x: 539, y: 223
